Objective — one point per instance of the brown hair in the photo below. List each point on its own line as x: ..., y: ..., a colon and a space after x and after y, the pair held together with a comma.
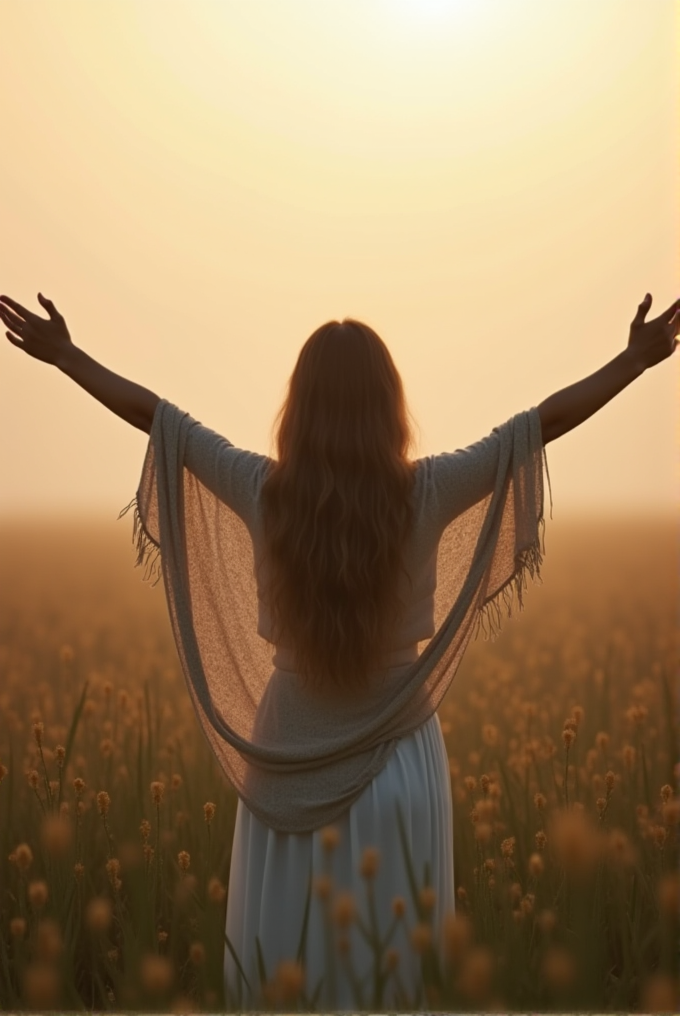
x: 337, y: 504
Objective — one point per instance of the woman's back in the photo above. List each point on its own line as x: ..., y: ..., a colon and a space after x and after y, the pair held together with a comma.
x: 445, y: 486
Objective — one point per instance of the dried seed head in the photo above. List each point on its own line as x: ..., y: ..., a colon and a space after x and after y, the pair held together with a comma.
x: 659, y: 835
x: 369, y: 862
x: 148, y: 852
x: 540, y: 801
x: 23, y: 857
x: 476, y: 973
x: 60, y: 755
x: 3, y: 772
x: 145, y: 829
x: 666, y: 792
x: 546, y: 920
x: 197, y: 953
x: 289, y: 980
x: 330, y: 837
x: 79, y: 786
x: 629, y: 754
x: 527, y: 904
x: 176, y: 782
x: 457, y: 933
x: 461, y: 893
x: 536, y: 865
x: 156, y: 973
x: 17, y: 927
x: 671, y: 812
x: 41, y: 986
x: 620, y: 850
x: 103, y: 803
x: 668, y: 892
x: 576, y: 840
x: 427, y: 898
x: 106, y: 747
x: 38, y: 894
x: 344, y: 909
x: 216, y: 891
x: 184, y: 860
x: 78, y: 870
x: 398, y: 906
x: 578, y: 713
x: 609, y: 781
x: 56, y: 835
x: 602, y: 740
x: 660, y: 993
x: 559, y: 967
x: 508, y: 847
x: 162, y: 937
x: 66, y: 654
x: 514, y: 893
x: 38, y: 731
x: 33, y: 778
x: 49, y: 944
x: 541, y: 839
x: 322, y: 886
x: 421, y: 937
x: 157, y: 789
x: 98, y: 914
x: 113, y: 869
x: 209, y: 811
x: 568, y: 736
x: 637, y: 714
x: 484, y: 782
x: 483, y: 833
x: 490, y: 734
x: 470, y: 784
x: 392, y: 959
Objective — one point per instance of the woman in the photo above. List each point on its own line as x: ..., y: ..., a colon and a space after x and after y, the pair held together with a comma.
x: 329, y: 554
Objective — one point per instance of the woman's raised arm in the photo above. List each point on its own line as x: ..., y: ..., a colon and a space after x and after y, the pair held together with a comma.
x: 49, y: 341
x: 649, y: 343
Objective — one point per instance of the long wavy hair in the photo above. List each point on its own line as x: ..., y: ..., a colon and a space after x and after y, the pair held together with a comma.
x: 337, y: 505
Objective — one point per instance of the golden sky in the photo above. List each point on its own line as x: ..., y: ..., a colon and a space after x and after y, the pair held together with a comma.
x: 492, y: 186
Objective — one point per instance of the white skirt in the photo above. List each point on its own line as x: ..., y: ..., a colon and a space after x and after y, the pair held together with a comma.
x: 270, y: 877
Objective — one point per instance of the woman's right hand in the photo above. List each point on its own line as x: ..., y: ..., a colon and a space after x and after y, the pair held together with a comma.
x: 650, y: 342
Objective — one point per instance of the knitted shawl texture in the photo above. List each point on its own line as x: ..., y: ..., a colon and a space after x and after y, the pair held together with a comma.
x: 299, y: 757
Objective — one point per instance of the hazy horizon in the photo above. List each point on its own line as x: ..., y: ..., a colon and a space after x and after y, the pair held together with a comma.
x: 491, y: 185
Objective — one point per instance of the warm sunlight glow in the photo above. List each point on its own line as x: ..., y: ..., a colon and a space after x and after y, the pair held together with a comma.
x: 198, y: 185
x: 429, y: 9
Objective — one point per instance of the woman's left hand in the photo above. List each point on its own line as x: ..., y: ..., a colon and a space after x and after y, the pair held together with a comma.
x: 46, y: 340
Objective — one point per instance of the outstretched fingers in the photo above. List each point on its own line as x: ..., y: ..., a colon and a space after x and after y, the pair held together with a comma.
x: 27, y: 315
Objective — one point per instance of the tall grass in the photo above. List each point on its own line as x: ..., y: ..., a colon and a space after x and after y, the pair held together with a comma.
x: 116, y: 825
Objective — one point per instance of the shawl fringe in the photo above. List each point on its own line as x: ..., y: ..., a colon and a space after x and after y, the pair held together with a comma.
x: 528, y: 561
x: 148, y: 551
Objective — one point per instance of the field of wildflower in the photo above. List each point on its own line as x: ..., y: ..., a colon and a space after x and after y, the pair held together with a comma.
x: 116, y: 824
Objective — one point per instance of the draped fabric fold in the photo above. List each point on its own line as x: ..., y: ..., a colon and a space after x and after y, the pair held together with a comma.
x: 298, y: 757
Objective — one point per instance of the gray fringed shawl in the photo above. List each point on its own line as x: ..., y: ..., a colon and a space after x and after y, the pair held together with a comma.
x: 299, y: 758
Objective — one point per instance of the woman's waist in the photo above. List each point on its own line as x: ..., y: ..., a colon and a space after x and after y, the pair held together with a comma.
x: 284, y: 658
